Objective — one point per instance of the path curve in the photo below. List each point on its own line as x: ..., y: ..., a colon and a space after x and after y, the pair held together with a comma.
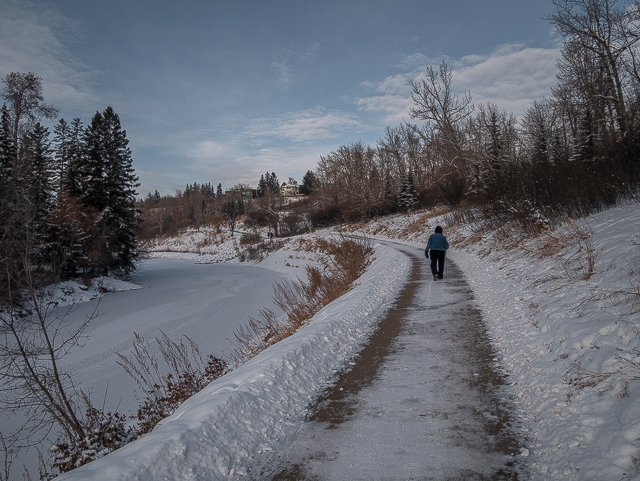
x: 422, y: 400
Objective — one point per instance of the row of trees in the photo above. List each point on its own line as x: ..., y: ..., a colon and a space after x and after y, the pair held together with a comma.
x: 67, y: 207
x: 68, y: 203
x: 576, y: 149
x: 200, y: 204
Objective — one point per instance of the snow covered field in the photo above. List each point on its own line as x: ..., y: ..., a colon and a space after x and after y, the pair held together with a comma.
x: 563, y: 317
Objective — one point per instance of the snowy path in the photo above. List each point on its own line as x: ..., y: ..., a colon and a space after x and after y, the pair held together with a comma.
x: 421, y: 401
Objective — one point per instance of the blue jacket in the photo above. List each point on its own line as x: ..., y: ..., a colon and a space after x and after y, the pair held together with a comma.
x: 437, y: 242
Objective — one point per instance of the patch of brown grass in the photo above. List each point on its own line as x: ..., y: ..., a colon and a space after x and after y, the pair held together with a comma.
x: 186, y: 373
x: 300, y: 300
x: 580, y: 265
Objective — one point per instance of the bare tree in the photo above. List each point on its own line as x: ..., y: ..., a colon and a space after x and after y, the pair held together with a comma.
x: 34, y: 340
x: 606, y: 31
x: 232, y: 209
x: 23, y: 95
x: 436, y: 103
x: 445, y: 114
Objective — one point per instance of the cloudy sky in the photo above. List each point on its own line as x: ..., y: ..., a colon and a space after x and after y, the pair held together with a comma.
x: 222, y: 91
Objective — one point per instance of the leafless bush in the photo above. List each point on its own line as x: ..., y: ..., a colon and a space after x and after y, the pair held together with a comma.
x: 293, y: 224
x: 300, y: 300
x: 188, y: 373
x: 258, y: 252
x: 633, y: 293
x: 580, y: 265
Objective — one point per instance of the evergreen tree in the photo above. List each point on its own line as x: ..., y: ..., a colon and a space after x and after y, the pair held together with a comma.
x: 584, y: 142
x: 309, y: 182
x: 219, y: 192
x: 268, y: 183
x: 388, y: 194
x: 39, y: 185
x: 8, y: 153
x: 407, y: 196
x: 61, y: 138
x: 12, y: 215
x: 262, y: 186
x: 109, y: 188
x: 495, y: 143
x: 541, y: 151
x: 273, y: 183
x: 75, y: 152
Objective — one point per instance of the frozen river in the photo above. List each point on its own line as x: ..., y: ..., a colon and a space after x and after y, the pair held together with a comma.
x: 206, y: 302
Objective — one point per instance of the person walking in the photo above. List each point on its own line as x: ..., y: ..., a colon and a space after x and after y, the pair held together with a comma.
x: 436, y: 248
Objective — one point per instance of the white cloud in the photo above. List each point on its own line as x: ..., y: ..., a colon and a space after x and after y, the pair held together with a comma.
x: 512, y: 76
x: 312, y: 51
x: 32, y: 39
x: 311, y: 124
x: 284, y: 72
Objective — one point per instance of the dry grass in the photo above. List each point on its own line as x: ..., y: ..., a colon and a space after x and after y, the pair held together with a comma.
x: 580, y: 265
x: 185, y: 373
x: 250, y: 238
x: 632, y: 294
x: 580, y: 377
x: 299, y: 300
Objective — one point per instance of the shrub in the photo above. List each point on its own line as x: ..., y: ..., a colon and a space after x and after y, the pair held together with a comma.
x: 187, y: 374
x: 106, y: 432
x: 300, y: 300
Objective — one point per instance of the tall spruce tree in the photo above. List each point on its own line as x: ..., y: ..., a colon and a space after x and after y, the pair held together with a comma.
x: 12, y: 216
x: 407, y: 196
x: 109, y: 185
x: 76, y: 154
x: 38, y: 179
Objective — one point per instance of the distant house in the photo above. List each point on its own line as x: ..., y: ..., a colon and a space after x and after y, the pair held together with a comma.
x: 244, y: 194
x: 288, y: 190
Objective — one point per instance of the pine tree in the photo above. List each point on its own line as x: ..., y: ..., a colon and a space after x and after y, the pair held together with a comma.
x: 39, y: 186
x: 76, y: 154
x: 109, y: 188
x: 584, y: 143
x: 495, y: 143
x: 309, y: 182
x: 12, y: 215
x: 262, y: 186
x: 407, y: 197
x: 8, y: 153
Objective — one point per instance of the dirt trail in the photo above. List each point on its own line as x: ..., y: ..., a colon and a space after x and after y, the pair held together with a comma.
x: 422, y: 400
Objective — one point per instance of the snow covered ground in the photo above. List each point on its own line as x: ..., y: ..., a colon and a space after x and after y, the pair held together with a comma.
x: 215, y: 434
x: 562, y: 312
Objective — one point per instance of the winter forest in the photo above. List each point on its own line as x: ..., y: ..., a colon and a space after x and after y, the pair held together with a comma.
x: 69, y: 205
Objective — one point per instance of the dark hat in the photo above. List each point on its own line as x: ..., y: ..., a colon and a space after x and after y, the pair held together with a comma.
x: 438, y: 229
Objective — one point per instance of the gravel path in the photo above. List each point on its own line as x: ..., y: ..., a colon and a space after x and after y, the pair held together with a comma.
x: 422, y: 400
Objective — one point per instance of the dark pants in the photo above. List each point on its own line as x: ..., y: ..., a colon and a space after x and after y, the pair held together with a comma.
x: 437, y: 262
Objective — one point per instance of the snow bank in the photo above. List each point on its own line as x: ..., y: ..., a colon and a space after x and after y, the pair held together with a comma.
x: 69, y: 293
x: 563, y: 340
x: 215, y: 434
x: 569, y: 342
